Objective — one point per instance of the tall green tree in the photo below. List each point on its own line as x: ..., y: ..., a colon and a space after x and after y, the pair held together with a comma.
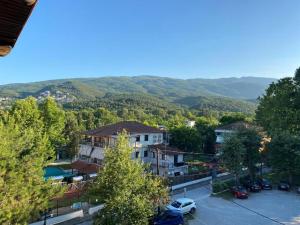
x: 71, y: 134
x: 206, y: 129
x: 24, y: 151
x: 186, y: 138
x: 233, y: 155
x: 251, y: 140
x: 297, y: 74
x: 129, y: 193
x: 285, y: 155
x: 279, y: 109
x: 54, y: 122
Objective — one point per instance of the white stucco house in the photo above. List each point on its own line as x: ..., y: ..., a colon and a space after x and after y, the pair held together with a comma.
x: 149, y: 145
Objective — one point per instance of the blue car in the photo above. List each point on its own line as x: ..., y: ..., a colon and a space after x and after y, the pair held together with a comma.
x: 169, y: 217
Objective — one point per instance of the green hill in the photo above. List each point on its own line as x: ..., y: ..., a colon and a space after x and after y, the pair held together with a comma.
x: 226, y: 94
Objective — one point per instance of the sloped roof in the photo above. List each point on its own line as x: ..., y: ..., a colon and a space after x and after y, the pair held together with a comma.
x: 85, y: 167
x: 131, y: 127
x: 13, y: 17
x: 234, y: 126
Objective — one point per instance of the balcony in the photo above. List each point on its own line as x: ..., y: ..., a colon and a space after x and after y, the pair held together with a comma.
x: 91, y: 152
x: 167, y: 164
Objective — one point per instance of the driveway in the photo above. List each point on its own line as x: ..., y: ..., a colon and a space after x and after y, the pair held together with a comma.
x: 264, y: 208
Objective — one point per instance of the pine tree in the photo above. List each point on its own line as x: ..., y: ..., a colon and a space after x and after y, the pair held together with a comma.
x: 129, y: 193
x: 24, y: 151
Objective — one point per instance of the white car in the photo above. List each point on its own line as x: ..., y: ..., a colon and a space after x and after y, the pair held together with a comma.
x: 183, y: 205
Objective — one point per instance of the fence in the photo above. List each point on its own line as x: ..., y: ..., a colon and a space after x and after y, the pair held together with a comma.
x: 186, y: 178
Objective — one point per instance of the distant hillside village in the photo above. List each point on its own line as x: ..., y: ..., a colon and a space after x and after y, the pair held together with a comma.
x: 59, y: 96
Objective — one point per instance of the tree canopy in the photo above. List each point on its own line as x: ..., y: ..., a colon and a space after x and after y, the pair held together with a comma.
x: 24, y: 151
x: 129, y: 193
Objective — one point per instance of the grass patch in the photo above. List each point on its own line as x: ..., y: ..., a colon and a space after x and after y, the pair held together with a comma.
x: 227, y: 195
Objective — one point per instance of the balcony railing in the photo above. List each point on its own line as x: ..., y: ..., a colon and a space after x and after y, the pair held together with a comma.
x: 167, y: 164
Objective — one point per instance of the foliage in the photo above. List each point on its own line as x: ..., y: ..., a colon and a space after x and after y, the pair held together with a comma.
x: 129, y: 193
x: 219, y: 186
x: 54, y: 122
x: 278, y: 109
x: 186, y: 138
x: 206, y: 129
x: 285, y: 155
x: 24, y: 151
x: 217, y: 103
x: 199, y: 95
x: 72, y: 135
x: 251, y: 140
x: 297, y: 74
x: 229, y: 118
x: 233, y: 155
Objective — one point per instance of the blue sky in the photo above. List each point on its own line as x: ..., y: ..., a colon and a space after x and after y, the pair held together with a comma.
x: 175, y: 38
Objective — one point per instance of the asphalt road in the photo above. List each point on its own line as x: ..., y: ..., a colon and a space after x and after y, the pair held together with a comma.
x: 265, y: 208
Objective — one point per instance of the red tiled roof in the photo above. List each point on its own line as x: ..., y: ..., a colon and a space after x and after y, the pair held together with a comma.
x: 85, y: 167
x: 131, y: 127
x: 166, y: 149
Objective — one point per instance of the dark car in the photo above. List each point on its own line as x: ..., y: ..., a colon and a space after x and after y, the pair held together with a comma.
x: 168, y: 217
x: 252, y: 186
x: 239, y: 192
x: 284, y: 186
x: 264, y: 184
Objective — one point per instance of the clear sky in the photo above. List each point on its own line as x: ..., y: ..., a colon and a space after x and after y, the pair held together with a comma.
x: 175, y: 38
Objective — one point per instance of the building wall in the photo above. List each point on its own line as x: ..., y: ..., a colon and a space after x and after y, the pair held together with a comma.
x: 166, y: 165
x: 138, y: 146
x: 221, y: 134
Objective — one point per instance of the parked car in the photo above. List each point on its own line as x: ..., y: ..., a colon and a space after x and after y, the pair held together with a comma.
x: 284, y: 186
x: 252, y: 186
x: 183, y: 205
x: 239, y: 192
x: 264, y: 184
x: 168, y: 217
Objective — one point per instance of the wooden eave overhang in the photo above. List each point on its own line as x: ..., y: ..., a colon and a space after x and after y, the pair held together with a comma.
x: 13, y: 17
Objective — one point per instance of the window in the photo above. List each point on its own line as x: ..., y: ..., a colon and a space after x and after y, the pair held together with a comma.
x: 146, y: 137
x: 145, y: 153
x: 163, y: 156
x: 154, y: 138
x: 138, y: 138
x: 159, y: 138
x: 186, y: 204
x: 136, y: 155
x: 153, y: 155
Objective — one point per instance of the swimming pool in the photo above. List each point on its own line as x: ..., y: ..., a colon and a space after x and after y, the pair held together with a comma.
x: 51, y: 172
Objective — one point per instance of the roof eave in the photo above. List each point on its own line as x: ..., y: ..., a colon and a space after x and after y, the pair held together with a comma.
x: 10, y: 34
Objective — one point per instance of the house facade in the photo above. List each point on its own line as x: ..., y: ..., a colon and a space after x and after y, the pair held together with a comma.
x: 223, y: 131
x: 142, y: 138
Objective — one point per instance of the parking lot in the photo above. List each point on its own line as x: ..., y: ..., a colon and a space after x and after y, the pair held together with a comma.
x: 264, y: 208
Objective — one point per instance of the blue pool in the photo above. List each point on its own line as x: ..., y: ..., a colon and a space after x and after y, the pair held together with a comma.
x: 55, y: 172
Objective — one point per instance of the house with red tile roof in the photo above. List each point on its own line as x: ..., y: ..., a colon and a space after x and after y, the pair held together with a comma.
x: 149, y: 144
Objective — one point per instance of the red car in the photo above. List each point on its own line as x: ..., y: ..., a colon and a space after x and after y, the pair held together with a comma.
x: 239, y: 192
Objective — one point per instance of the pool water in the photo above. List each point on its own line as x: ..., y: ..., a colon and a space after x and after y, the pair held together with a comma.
x: 54, y: 172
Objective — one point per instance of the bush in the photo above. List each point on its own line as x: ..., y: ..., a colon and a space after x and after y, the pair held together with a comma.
x: 219, y: 186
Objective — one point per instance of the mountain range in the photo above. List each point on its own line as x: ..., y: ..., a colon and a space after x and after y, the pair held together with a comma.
x: 224, y: 94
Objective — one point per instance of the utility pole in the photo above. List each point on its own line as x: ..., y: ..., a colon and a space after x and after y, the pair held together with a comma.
x: 157, y: 161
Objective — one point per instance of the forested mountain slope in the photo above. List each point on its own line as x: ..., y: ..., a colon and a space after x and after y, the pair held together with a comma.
x: 226, y: 94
